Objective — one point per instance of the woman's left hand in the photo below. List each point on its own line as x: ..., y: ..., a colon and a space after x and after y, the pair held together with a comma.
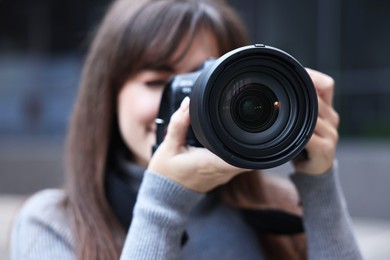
x: 322, y: 146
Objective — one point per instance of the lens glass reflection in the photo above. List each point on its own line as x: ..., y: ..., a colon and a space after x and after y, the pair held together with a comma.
x: 253, y: 108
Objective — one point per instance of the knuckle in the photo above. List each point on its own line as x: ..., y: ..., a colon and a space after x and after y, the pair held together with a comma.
x: 328, y: 147
x: 336, y: 119
x: 335, y: 135
x: 329, y: 81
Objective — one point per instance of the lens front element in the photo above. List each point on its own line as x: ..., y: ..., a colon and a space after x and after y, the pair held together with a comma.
x: 253, y: 109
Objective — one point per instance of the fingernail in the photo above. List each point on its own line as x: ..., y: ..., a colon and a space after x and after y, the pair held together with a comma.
x: 185, y: 104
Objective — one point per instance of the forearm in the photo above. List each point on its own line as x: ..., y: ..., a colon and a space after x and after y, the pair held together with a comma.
x: 326, y: 218
x: 159, y: 219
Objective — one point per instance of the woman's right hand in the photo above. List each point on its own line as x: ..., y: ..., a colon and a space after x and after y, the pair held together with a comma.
x: 195, y: 168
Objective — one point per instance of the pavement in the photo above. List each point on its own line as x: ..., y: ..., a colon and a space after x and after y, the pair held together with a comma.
x: 9, y: 205
x: 373, y: 237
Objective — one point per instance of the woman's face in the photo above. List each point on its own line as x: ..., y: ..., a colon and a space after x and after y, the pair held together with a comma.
x: 139, y: 98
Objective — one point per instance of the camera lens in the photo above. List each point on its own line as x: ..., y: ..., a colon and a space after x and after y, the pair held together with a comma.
x: 248, y: 107
x: 253, y: 109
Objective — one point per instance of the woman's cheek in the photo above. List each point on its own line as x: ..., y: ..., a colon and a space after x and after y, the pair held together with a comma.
x: 154, y: 103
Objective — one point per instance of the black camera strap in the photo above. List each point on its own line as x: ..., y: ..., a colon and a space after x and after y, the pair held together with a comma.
x: 122, y: 200
x: 277, y: 222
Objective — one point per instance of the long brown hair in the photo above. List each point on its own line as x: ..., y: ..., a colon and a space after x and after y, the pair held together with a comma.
x: 134, y: 34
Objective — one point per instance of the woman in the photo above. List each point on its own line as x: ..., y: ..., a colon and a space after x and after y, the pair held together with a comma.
x: 119, y: 201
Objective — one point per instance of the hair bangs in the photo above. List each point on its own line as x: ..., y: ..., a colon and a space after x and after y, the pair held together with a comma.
x: 158, y: 30
x: 160, y: 27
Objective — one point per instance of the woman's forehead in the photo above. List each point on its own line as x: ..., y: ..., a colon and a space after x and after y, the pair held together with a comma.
x: 191, y: 53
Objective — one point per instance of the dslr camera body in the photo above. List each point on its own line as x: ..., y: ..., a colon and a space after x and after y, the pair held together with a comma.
x: 255, y: 107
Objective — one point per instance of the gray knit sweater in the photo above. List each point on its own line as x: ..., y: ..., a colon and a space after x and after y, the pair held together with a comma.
x: 165, y: 209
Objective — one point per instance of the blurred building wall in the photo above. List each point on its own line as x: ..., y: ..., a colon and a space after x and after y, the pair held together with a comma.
x: 43, y: 43
x: 347, y: 39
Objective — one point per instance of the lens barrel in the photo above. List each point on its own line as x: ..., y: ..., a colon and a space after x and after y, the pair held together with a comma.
x: 255, y: 107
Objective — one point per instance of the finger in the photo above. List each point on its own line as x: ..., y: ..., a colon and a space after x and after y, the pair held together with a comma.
x: 327, y: 112
x: 324, y: 85
x: 320, y: 150
x: 209, y: 162
x: 324, y: 129
x: 178, y: 125
x: 208, y: 159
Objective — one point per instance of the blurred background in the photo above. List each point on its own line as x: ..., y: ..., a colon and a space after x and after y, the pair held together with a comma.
x: 43, y: 44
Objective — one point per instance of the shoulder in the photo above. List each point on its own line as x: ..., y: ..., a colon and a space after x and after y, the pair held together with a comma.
x: 44, y: 207
x: 43, y: 203
x: 43, y: 214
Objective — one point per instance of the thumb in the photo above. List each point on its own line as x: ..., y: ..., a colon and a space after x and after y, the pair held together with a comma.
x: 178, y: 125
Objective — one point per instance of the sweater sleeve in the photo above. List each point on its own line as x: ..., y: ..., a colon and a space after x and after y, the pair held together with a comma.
x: 40, y: 230
x: 326, y: 219
x: 159, y: 219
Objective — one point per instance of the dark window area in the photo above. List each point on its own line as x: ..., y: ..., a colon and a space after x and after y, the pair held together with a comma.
x: 43, y: 43
x: 42, y: 47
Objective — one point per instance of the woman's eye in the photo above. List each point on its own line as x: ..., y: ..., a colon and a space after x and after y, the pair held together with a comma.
x: 157, y: 83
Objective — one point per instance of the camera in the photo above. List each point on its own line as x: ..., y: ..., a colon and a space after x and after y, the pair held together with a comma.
x: 255, y: 107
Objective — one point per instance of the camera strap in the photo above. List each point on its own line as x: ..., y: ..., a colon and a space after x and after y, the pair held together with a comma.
x: 275, y: 222
x: 122, y: 200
